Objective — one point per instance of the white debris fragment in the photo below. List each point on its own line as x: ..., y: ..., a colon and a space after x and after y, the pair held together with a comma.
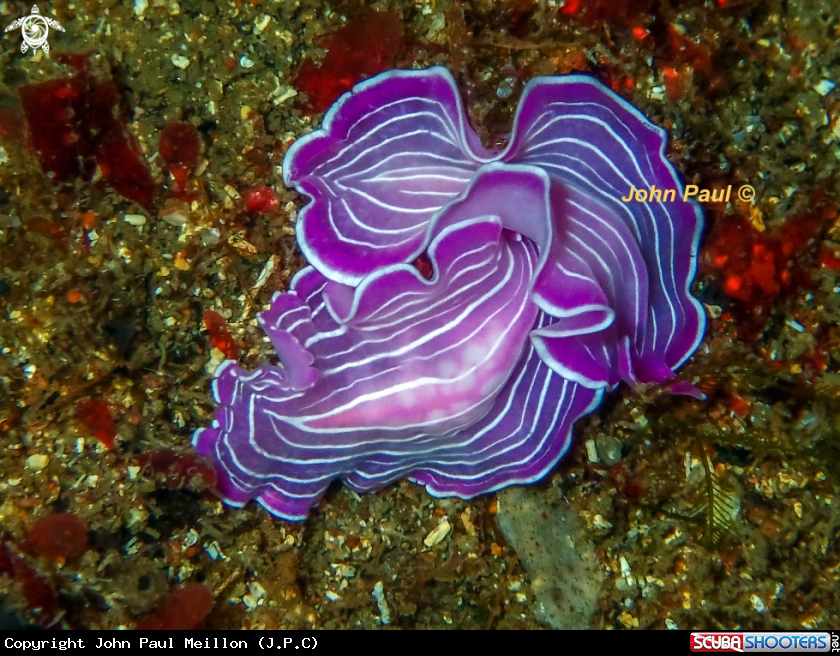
x: 140, y: 7
x: 333, y: 596
x: 437, y: 533
x: 214, y: 551
x: 757, y: 604
x: 625, y: 567
x: 824, y: 87
x: 135, y: 219
x: 180, y: 61
x: 191, y: 539
x: 210, y: 236
x: 136, y: 516
x: 266, y: 272
x: 793, y: 323
x: 261, y: 23
x: 256, y: 595
x: 174, y: 217
x: 591, y: 451
x: 132, y: 470
x: 344, y: 571
x: 381, y: 603
x: 469, y: 527
x: 246, y: 62
x: 438, y: 23
x: 600, y: 523
x: 37, y: 462
x: 217, y: 357
x: 282, y: 94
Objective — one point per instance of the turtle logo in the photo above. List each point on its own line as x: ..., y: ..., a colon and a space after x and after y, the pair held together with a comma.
x: 35, y: 29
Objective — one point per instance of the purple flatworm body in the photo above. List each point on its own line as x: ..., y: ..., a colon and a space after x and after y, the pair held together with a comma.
x: 546, y: 290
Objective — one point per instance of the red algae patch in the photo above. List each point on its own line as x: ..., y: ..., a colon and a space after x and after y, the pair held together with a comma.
x: 74, y: 127
x: 174, y: 470
x: 261, y: 199
x: 38, y: 594
x: 59, y: 536
x: 96, y: 416
x: 183, y: 609
x: 360, y: 49
x: 756, y: 268
x: 592, y: 13
x: 179, y: 144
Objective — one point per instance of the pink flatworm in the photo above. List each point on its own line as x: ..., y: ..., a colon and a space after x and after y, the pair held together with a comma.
x: 545, y: 290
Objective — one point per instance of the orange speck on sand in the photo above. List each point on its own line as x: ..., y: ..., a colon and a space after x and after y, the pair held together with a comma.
x: 733, y: 284
x: 182, y: 610
x: 181, y: 262
x: 640, y: 33
x: 96, y: 416
x: 677, y: 82
x: 74, y: 296
x: 89, y: 220
x: 496, y: 550
x: 739, y: 406
x: 59, y: 536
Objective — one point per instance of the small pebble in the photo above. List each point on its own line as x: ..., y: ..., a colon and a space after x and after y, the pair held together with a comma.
x: 37, y: 462
x: 609, y: 449
x: 180, y: 61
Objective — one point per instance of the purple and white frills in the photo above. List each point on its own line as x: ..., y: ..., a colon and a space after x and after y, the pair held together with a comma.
x: 546, y: 289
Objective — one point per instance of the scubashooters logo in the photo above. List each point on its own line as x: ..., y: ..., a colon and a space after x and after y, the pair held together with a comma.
x: 35, y: 29
x: 793, y: 641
